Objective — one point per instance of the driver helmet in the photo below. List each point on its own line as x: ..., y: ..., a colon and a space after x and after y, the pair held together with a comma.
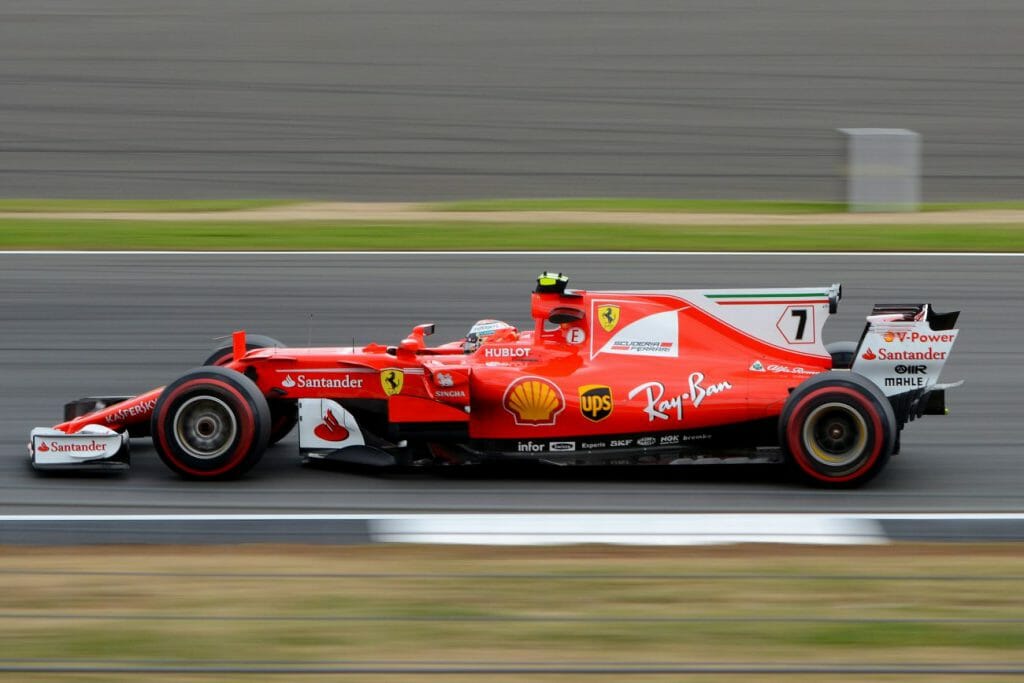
x: 484, y: 329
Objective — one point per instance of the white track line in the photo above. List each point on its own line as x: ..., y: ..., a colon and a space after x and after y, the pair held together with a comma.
x: 930, y: 516
x: 508, y: 253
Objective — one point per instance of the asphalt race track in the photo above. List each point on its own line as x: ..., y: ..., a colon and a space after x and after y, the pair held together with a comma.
x: 75, y: 325
x: 432, y: 99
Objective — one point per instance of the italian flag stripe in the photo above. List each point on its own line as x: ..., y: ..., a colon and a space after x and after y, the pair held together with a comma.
x: 773, y: 301
x: 773, y: 295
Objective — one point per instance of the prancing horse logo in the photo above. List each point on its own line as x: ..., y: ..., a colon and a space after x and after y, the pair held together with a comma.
x: 609, y: 317
x: 392, y: 380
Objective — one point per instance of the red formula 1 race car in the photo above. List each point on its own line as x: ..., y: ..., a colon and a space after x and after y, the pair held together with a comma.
x: 604, y: 377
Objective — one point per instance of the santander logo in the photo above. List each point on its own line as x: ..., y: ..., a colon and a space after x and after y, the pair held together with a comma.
x: 869, y: 355
x: 288, y: 382
x: 331, y: 429
x: 76, y: 446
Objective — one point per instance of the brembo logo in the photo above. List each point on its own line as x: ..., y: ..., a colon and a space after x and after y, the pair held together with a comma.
x: 304, y: 382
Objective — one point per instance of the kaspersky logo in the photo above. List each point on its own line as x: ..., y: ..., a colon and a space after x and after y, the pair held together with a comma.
x: 596, y: 402
x: 392, y: 380
x: 608, y: 316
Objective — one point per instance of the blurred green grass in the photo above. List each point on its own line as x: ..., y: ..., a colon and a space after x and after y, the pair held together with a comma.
x: 53, y: 234
x: 564, y: 604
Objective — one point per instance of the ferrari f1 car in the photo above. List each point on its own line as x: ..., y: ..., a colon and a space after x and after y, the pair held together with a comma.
x: 603, y: 377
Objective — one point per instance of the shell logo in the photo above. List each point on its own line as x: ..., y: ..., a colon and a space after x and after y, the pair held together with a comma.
x: 533, y: 401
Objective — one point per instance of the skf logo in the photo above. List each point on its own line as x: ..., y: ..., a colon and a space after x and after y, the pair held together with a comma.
x: 533, y: 401
x: 392, y: 380
x: 609, y: 317
x: 596, y: 402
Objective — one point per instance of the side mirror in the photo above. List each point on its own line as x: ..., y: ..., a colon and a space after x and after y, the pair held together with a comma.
x: 415, y: 341
x: 408, y: 347
x: 565, y: 314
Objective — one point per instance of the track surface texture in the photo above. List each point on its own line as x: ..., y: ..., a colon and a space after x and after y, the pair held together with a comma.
x: 104, y: 324
x: 434, y: 99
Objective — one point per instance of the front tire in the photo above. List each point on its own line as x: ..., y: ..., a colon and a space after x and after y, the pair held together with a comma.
x: 838, y: 429
x: 284, y: 413
x: 211, y: 423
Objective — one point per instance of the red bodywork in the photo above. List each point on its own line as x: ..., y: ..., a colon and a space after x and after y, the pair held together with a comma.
x: 571, y: 376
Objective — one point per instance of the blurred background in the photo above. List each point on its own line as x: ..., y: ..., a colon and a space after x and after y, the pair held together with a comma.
x: 419, y: 100
x: 447, y: 99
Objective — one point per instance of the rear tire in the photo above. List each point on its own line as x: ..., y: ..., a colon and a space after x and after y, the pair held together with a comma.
x: 838, y: 429
x: 284, y: 413
x: 211, y: 423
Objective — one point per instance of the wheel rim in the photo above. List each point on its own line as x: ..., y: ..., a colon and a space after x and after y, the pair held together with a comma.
x: 835, y: 434
x: 205, y: 427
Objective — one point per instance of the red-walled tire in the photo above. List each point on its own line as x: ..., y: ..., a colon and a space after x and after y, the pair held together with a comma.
x: 211, y: 423
x: 284, y: 413
x: 838, y: 429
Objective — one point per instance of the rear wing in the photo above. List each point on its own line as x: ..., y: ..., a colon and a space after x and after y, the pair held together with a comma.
x: 903, y: 350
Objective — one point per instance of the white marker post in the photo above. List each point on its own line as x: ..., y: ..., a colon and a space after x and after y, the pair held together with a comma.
x: 883, y: 169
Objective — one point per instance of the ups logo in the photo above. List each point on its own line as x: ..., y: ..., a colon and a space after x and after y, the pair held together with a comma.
x: 596, y: 402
